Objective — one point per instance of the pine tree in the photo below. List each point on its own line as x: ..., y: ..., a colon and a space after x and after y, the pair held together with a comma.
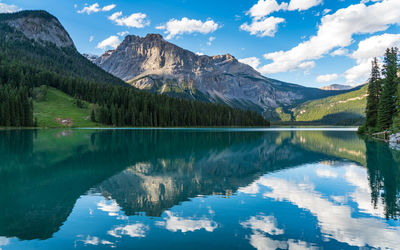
x: 387, y: 103
x: 374, y: 92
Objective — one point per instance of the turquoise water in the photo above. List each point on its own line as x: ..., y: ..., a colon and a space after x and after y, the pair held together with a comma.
x: 197, y: 189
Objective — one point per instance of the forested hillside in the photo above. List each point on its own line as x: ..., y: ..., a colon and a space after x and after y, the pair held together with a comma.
x: 27, y: 63
x: 344, y: 109
x: 383, y: 103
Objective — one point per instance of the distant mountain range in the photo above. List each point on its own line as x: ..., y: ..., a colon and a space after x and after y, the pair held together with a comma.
x: 154, y: 64
x: 337, y: 87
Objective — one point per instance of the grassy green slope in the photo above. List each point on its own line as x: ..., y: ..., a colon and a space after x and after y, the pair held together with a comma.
x: 61, y: 106
x: 343, y: 109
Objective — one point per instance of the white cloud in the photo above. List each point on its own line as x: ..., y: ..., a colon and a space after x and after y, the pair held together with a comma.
x: 135, y: 20
x: 90, y: 9
x: 123, y: 33
x: 336, y: 221
x: 327, y: 78
x: 95, y: 241
x: 261, y: 223
x: 176, y: 27
x: 265, y: 7
x: 91, y: 38
x: 306, y: 65
x: 111, y: 42
x: 94, y: 8
x: 261, y: 242
x: 326, y: 173
x: 252, y: 188
x: 336, y: 30
x: 369, y: 48
x: 174, y: 224
x: 111, y: 207
x: 326, y: 11
x: 137, y: 230
x: 4, y: 241
x: 303, y: 4
x: 340, y: 52
x: 115, y: 16
x: 5, y: 8
x: 263, y: 27
x: 109, y: 7
x: 199, y: 53
x: 210, y: 40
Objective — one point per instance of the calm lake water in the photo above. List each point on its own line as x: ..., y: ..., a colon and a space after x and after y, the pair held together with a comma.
x: 197, y: 189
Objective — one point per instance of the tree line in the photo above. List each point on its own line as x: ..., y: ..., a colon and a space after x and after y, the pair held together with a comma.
x: 383, y: 102
x: 26, y: 65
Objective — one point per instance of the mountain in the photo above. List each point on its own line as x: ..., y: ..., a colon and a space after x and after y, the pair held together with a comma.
x: 39, y: 26
x: 343, y: 109
x: 90, y: 57
x: 151, y: 63
x: 336, y: 87
x: 36, y: 51
x: 37, y: 38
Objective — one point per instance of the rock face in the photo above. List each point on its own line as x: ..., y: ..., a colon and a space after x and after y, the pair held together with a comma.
x: 90, y: 57
x: 336, y: 87
x: 154, y: 64
x: 39, y: 26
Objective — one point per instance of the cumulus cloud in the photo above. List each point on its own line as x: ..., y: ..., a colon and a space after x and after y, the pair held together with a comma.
x: 263, y: 27
x: 369, y: 48
x: 265, y: 7
x: 94, y: 8
x: 111, y: 207
x: 174, y: 224
x: 111, y: 42
x: 176, y: 27
x: 6, y: 8
x: 91, y: 38
x: 135, y: 20
x: 252, y: 61
x: 138, y: 230
x: 95, y: 241
x: 326, y: 173
x: 336, y: 31
x: 306, y: 65
x: 109, y: 7
x: 336, y: 221
x: 327, y: 78
x: 303, y: 4
x: 340, y: 52
x: 265, y: 224
x: 123, y: 33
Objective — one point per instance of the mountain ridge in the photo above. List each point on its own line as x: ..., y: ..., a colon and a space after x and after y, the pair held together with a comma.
x: 154, y: 64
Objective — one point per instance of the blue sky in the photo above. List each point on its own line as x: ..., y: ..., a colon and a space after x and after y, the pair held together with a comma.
x: 309, y: 42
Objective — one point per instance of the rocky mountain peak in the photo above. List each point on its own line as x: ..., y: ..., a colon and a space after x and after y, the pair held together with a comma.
x: 154, y: 64
x: 154, y: 37
x: 39, y: 26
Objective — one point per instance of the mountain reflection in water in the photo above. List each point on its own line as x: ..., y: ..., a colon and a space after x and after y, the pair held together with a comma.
x: 45, y: 174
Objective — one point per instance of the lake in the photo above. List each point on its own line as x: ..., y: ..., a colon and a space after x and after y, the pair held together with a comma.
x: 197, y: 189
